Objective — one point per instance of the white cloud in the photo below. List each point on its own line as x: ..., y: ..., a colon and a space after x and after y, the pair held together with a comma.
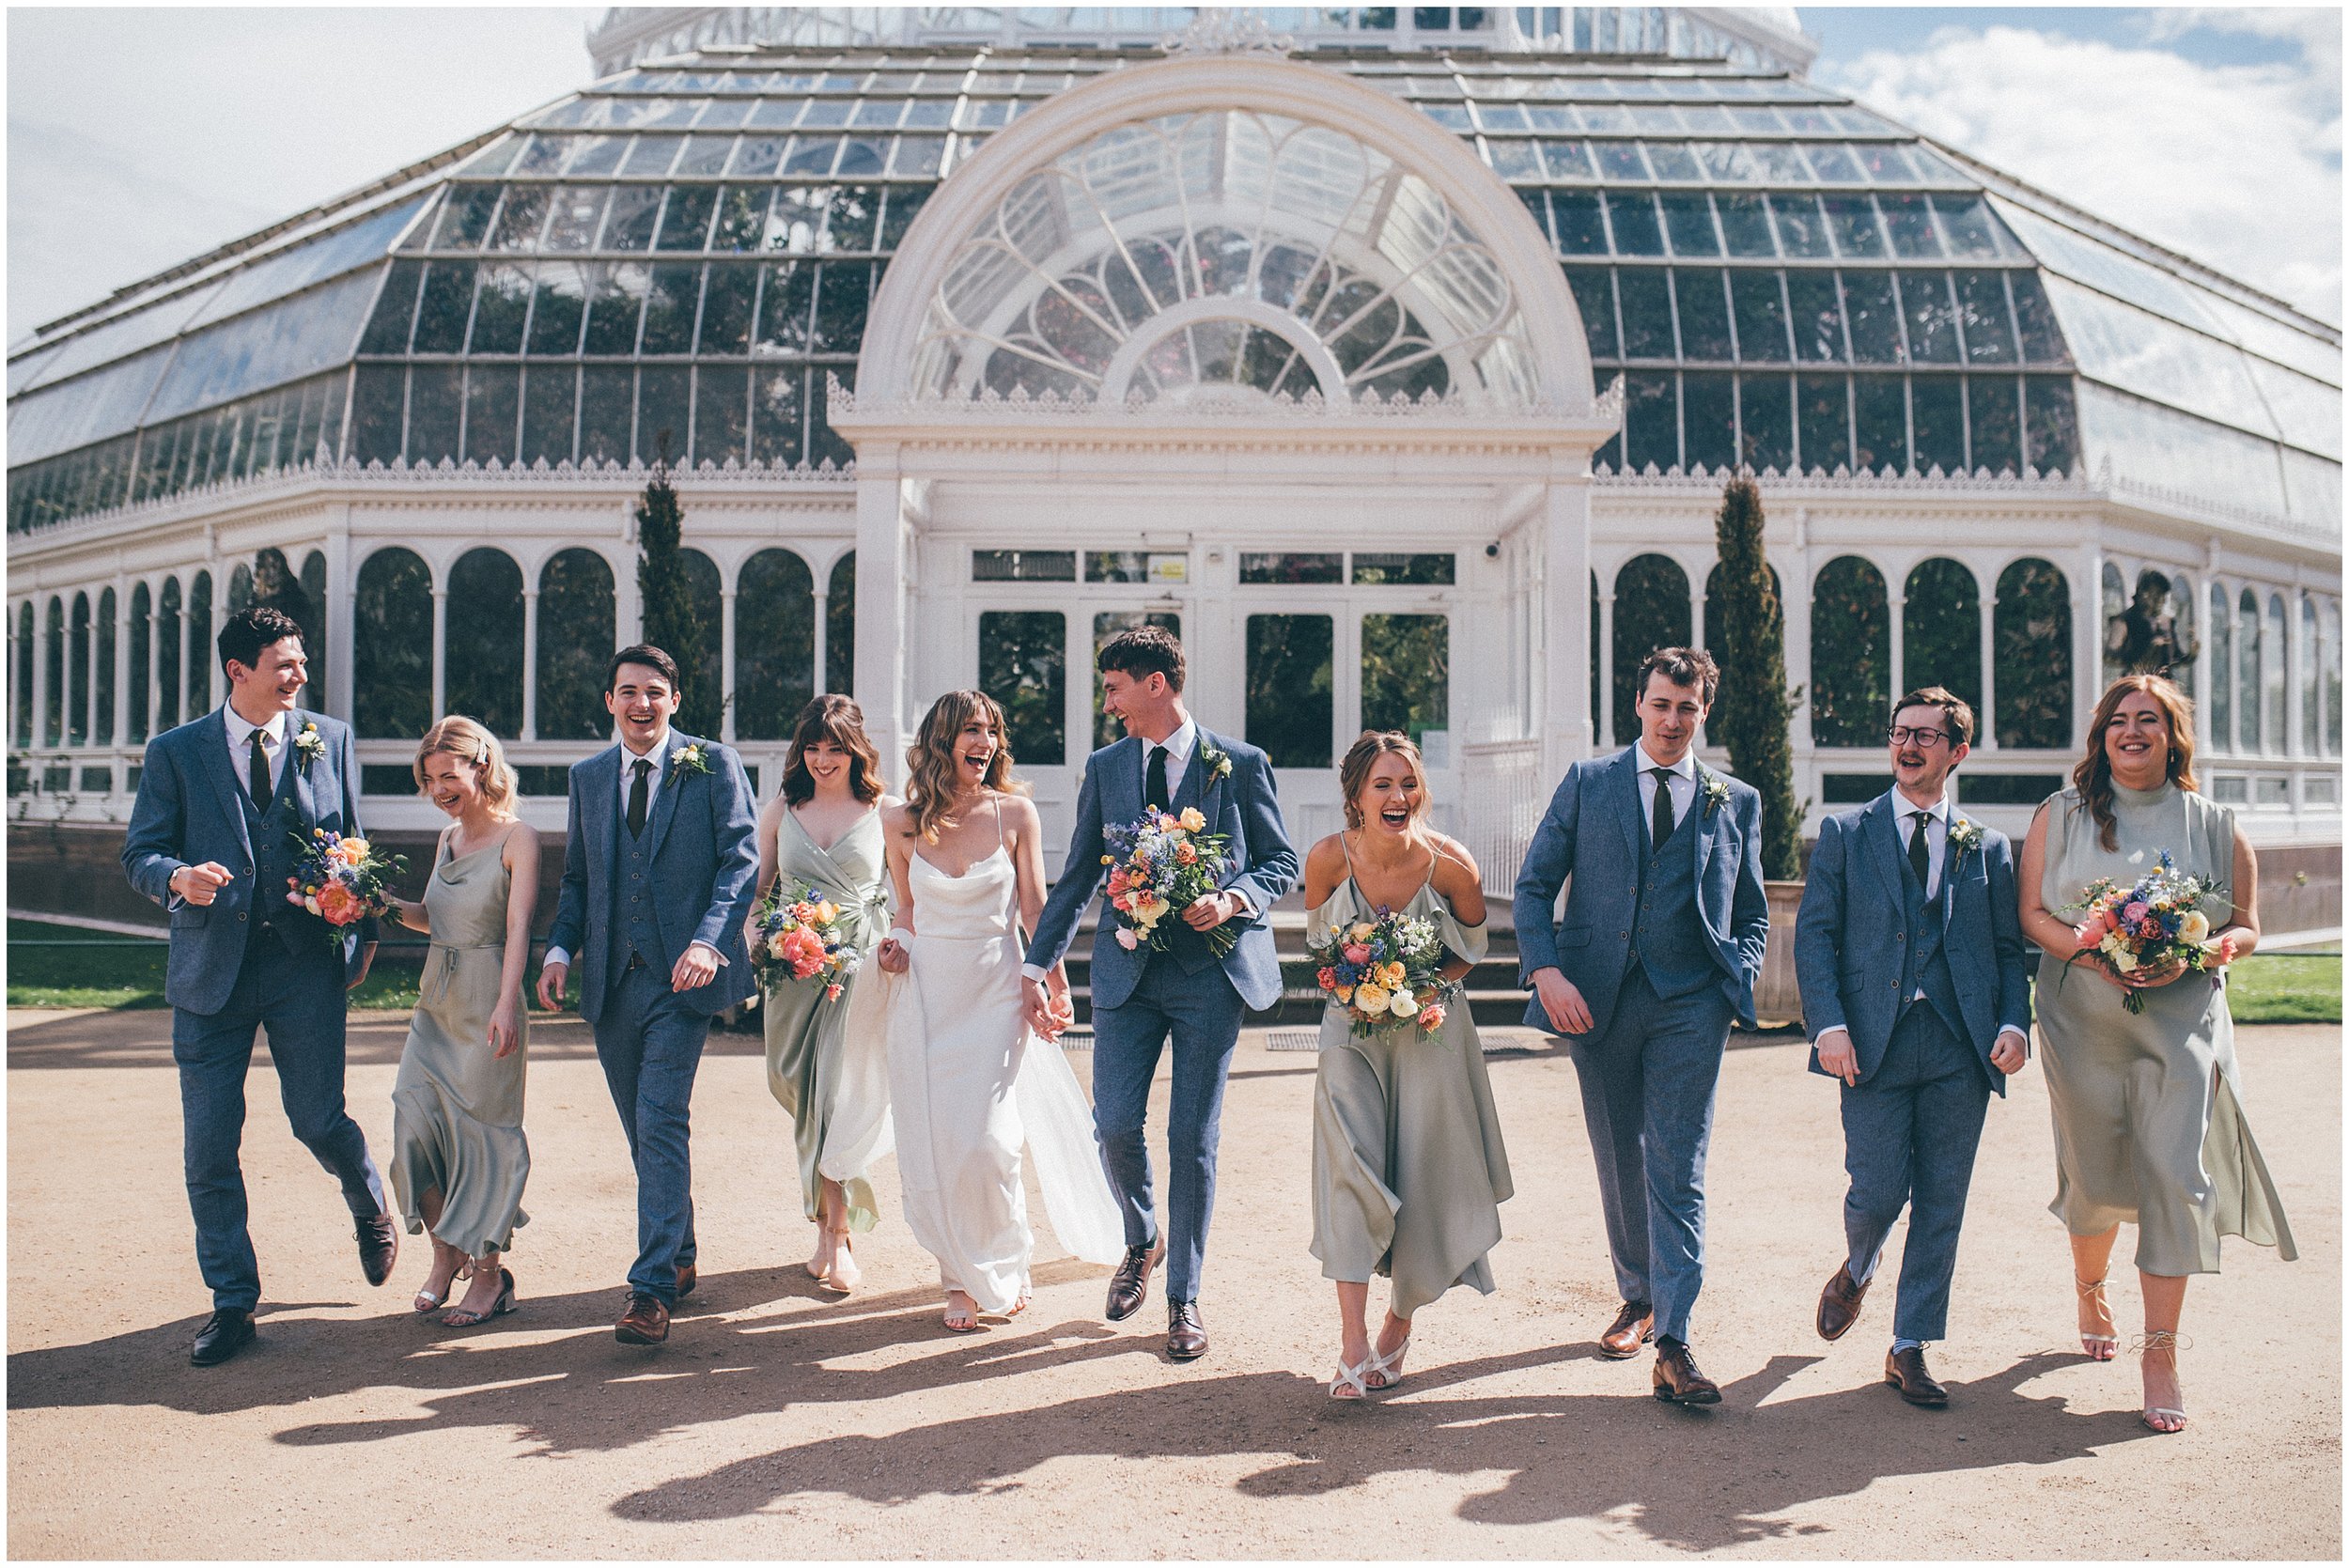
x: 2238, y: 166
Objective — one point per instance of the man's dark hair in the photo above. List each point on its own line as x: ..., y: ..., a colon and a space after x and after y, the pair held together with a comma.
x: 646, y: 655
x: 1682, y: 667
x: 1143, y: 651
x: 244, y: 634
x: 1955, y: 711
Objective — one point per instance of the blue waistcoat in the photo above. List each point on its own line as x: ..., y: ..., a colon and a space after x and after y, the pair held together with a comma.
x: 631, y: 928
x: 1668, y: 938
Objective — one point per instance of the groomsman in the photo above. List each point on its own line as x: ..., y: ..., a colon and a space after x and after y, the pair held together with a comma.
x: 1657, y: 956
x: 657, y: 868
x: 223, y: 802
x: 1910, y: 958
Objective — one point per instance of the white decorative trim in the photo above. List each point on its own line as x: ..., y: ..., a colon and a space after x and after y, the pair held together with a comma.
x: 1221, y: 30
x: 1245, y: 407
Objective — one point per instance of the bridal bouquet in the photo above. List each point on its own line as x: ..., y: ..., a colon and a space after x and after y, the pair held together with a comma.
x: 340, y: 879
x: 1160, y: 863
x: 2151, y: 923
x: 1386, y: 973
x: 799, y: 938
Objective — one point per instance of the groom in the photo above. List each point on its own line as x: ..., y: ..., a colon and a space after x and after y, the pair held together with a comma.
x: 657, y: 869
x: 1166, y: 763
x: 1662, y: 939
x: 222, y: 803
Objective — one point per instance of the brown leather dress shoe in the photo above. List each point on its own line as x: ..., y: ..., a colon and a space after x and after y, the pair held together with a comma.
x: 1839, y: 1303
x: 646, y: 1322
x: 1633, y: 1327
x: 1132, y: 1279
x: 686, y: 1281
x: 1186, y: 1336
x: 1905, y: 1371
x: 379, y: 1246
x: 1677, y: 1379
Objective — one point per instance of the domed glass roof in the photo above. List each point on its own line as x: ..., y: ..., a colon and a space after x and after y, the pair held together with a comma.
x: 675, y: 259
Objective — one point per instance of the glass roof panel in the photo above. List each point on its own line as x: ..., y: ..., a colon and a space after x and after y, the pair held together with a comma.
x: 105, y: 403
x: 293, y: 338
x: 2307, y: 411
x: 2156, y: 446
x: 125, y: 335
x: 2155, y: 357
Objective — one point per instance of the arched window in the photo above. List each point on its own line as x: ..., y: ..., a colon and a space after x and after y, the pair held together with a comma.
x: 102, y: 683
x: 701, y: 708
x: 1851, y: 654
x: 313, y: 585
x: 202, y: 655
x: 168, y: 661
x: 140, y: 698
x: 2328, y: 671
x: 2305, y: 676
x: 1651, y: 612
x: 2247, y: 656
x: 2187, y: 669
x: 240, y: 586
x: 2221, y: 677
x: 391, y: 646
x: 77, y: 676
x: 22, y: 727
x: 1941, y: 629
x: 2274, y: 673
x: 1599, y: 720
x: 483, y: 678
x: 840, y: 628
x: 576, y: 623
x: 775, y: 644
x: 2112, y: 603
x: 1716, y: 625
x: 2031, y: 630
x: 52, y: 721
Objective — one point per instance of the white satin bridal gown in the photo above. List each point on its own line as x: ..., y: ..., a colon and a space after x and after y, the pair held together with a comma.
x: 967, y: 1083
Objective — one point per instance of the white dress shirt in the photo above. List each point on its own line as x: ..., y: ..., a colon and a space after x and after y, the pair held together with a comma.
x: 1682, y: 783
x: 658, y: 755
x: 240, y: 732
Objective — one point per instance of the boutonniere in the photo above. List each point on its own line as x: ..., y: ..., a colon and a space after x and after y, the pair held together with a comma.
x: 690, y: 759
x: 1964, y: 835
x: 1218, y: 763
x: 309, y: 745
x: 1715, y: 793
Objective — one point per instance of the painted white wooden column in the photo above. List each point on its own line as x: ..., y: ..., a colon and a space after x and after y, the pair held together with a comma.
x: 1567, y: 725
x: 530, y: 658
x: 342, y: 631
x: 819, y: 672
x: 1896, y: 616
x: 883, y: 558
x: 1986, y: 723
x: 1602, y: 730
x: 725, y: 662
x: 154, y: 657
x: 440, y: 645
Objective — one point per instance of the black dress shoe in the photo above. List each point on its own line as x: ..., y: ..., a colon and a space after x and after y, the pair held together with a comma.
x: 1904, y: 1370
x: 226, y: 1332
x: 1677, y: 1379
x: 1132, y: 1279
x: 1839, y: 1303
x: 379, y: 1246
x: 1186, y: 1336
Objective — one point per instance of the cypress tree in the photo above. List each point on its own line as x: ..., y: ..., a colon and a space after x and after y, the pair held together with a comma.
x: 666, y: 595
x: 1754, y: 711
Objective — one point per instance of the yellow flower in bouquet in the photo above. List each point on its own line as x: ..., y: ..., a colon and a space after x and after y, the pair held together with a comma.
x: 1373, y: 999
x: 1191, y: 820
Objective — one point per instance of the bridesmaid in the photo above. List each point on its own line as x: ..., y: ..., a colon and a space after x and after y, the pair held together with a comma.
x: 1409, y: 1168
x: 2148, y: 1124
x: 823, y: 829
x: 459, y: 1158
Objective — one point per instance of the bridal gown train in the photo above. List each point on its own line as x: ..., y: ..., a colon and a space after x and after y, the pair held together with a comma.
x: 945, y: 1051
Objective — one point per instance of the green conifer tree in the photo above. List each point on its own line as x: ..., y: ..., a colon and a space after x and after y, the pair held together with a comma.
x: 1753, y: 715
x: 665, y: 592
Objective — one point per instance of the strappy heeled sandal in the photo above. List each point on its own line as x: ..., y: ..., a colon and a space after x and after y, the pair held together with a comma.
x: 2161, y: 1339
x: 1351, y: 1378
x: 833, y: 1279
x: 427, y: 1303
x: 2098, y: 1347
x: 464, y: 1318
x: 961, y: 1320
x: 1390, y: 1366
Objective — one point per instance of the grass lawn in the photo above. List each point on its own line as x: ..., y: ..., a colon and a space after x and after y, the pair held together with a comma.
x: 2286, y: 988
x: 102, y: 969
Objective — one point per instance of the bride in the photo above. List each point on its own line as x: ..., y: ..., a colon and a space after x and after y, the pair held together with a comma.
x: 967, y: 1080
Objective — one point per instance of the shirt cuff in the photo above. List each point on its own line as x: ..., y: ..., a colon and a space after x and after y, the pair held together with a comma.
x: 2020, y: 1038
x: 715, y: 956
x: 1247, y: 905
x: 1832, y: 1029
x: 556, y: 957
x: 1036, y: 972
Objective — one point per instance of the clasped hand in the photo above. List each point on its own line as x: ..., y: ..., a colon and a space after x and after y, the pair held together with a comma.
x: 1049, y: 1009
x: 1211, y: 909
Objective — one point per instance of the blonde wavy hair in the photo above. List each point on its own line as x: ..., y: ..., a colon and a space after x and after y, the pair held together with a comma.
x: 932, y: 772
x: 469, y: 739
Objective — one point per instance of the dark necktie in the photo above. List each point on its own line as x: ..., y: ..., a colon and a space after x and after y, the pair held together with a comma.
x: 1920, y: 861
x: 1154, y: 779
x: 256, y: 775
x: 639, y: 791
x: 1660, y: 817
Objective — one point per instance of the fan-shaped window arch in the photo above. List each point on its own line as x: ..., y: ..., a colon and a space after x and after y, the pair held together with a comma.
x: 2031, y: 630
x: 2247, y: 671
x: 1652, y: 611
x: 1225, y: 247
x: 774, y: 644
x: 484, y: 653
x: 139, y: 699
x: 1851, y: 654
x: 391, y: 646
x: 1941, y: 629
x: 576, y: 622
x: 2221, y: 669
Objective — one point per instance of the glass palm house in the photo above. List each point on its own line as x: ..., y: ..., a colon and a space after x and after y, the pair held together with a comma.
x: 1395, y: 355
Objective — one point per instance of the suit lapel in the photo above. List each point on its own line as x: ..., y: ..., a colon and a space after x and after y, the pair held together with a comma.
x: 1635, y: 825
x: 296, y: 778
x: 673, y: 781
x: 1192, y: 787
x: 212, y: 740
x: 1950, y: 864
x: 600, y: 809
x: 1884, y: 839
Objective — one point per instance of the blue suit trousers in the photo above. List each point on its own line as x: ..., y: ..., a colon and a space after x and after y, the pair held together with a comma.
x: 1202, y: 1013
x: 1909, y: 1135
x: 298, y: 997
x: 1648, y: 1083
x: 649, y: 1040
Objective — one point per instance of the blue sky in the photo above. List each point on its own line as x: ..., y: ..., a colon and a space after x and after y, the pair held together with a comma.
x: 1846, y: 31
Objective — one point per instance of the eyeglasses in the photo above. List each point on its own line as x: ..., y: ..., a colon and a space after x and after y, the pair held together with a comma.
x: 1902, y: 736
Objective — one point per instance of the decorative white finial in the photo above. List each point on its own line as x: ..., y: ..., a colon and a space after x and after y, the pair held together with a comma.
x: 1227, y: 30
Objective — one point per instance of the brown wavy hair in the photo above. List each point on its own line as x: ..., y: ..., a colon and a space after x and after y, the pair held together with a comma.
x: 838, y: 720
x: 1361, y: 757
x: 470, y: 740
x: 931, y: 769
x: 2093, y: 776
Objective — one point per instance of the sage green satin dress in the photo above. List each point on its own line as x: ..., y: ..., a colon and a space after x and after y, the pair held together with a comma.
x: 803, y: 1031
x: 457, y: 1110
x: 1409, y: 1168
x: 2149, y: 1127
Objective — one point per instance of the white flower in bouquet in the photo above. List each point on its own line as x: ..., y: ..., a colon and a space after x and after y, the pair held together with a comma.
x: 1403, y: 1006
x: 2194, y: 928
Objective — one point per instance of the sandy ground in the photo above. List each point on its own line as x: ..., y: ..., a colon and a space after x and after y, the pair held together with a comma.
x: 779, y: 1423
